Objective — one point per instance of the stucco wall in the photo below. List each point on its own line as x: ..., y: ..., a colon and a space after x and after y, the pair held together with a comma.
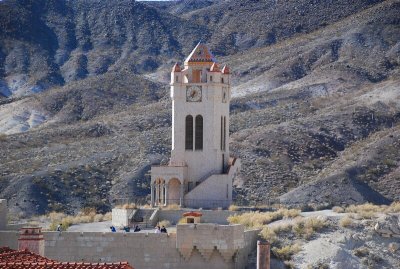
x: 209, y: 216
x: 143, y: 251
x: 9, y: 239
x: 120, y: 217
x: 3, y: 214
x: 215, y: 191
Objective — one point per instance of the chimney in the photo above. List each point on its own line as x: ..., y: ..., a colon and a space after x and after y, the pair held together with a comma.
x: 32, y: 240
x: 3, y: 214
x: 263, y: 255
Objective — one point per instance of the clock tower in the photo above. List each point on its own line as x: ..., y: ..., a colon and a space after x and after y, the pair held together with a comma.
x: 200, y: 164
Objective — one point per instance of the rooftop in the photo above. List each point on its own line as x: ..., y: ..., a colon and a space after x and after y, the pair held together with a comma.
x: 200, y: 54
x: 24, y: 259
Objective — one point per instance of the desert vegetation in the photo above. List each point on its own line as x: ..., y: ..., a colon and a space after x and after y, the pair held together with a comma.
x: 88, y: 215
x: 259, y: 219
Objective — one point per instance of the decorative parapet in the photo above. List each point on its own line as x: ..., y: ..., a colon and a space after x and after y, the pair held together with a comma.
x: 207, y: 237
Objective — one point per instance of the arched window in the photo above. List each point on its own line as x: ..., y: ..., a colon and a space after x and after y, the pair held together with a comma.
x: 211, y: 78
x: 222, y: 80
x: 199, y: 133
x: 189, y: 133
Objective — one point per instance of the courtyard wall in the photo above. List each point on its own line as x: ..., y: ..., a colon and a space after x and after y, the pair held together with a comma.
x: 141, y: 250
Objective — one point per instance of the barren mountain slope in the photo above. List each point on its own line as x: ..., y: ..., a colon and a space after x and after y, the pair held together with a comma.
x: 240, y: 25
x: 302, y: 105
x: 46, y: 43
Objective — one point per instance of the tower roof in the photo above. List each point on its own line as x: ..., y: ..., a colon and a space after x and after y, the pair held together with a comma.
x: 225, y: 70
x: 176, y: 68
x: 200, y: 54
x: 214, y: 68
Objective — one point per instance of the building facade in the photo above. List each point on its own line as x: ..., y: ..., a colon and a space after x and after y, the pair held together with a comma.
x: 200, y: 171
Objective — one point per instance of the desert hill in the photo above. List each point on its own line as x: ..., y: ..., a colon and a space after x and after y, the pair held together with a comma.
x: 85, y: 108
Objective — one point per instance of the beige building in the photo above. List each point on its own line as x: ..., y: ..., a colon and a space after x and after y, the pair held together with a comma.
x: 200, y: 171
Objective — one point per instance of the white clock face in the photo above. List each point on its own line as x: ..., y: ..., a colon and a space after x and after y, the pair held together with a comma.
x: 193, y: 94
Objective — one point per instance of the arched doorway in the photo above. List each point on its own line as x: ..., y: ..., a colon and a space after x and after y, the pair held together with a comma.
x: 174, y: 191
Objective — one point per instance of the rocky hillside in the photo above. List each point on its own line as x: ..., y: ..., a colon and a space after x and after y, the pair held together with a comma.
x: 84, y: 111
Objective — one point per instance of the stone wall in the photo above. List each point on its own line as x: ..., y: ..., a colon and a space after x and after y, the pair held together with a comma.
x: 148, y: 251
x: 3, y: 214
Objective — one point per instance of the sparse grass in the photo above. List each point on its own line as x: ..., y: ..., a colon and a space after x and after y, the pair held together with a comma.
x: 259, y: 219
x: 346, y: 222
x: 285, y: 253
x: 306, y: 228
x: 393, y: 208
x: 365, y: 211
x: 85, y: 216
x: 338, y: 209
x: 269, y: 235
x: 233, y: 208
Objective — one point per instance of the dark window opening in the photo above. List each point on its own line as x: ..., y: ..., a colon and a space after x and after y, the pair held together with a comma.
x: 199, y: 133
x: 189, y: 133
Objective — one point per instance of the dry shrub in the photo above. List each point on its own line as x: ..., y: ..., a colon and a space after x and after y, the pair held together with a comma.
x: 85, y: 216
x: 346, y: 222
x: 282, y: 228
x: 289, y: 264
x: 338, y: 209
x: 306, y: 228
x: 285, y: 253
x: 393, y: 208
x: 365, y: 211
x: 164, y: 223
x: 233, y: 208
x: 98, y: 218
x: 361, y: 252
x: 107, y: 216
x: 259, y: 219
x: 3, y: 137
x: 269, y: 235
x: 129, y: 206
x: 56, y: 216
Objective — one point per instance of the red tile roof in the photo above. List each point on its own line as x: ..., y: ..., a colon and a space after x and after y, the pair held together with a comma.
x: 8, y: 255
x: 192, y: 214
x: 23, y: 259
x: 64, y: 265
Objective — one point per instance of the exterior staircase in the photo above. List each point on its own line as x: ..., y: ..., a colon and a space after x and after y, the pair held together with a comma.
x: 144, y: 218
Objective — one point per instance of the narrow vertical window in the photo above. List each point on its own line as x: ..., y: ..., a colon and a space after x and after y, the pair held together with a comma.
x: 189, y: 133
x: 199, y: 133
x: 224, y: 143
x: 222, y: 80
x: 176, y: 78
x: 222, y: 133
x: 211, y: 78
